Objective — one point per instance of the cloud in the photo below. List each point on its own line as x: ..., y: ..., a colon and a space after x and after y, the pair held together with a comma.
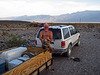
x: 28, y: 7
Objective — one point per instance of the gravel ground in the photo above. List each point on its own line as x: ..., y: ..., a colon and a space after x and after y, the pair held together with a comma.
x: 89, y: 54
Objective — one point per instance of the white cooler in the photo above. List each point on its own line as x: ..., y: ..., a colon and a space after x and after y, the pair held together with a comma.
x: 13, y: 53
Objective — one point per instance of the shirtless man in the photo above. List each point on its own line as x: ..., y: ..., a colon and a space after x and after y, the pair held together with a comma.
x: 46, y: 37
x: 46, y: 34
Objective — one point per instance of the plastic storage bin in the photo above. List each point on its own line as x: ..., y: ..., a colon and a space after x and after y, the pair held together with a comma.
x: 13, y: 53
x: 2, y: 66
x: 14, y: 63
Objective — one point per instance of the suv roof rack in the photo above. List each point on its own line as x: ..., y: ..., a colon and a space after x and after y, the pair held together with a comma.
x: 63, y: 25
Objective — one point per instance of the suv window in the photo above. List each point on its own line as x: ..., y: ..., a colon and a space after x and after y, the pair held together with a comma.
x: 56, y: 33
x: 66, y: 33
x: 72, y: 30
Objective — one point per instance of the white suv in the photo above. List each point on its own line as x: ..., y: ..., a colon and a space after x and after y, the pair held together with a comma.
x: 64, y: 38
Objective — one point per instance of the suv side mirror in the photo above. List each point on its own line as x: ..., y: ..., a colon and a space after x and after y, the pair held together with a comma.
x: 77, y: 31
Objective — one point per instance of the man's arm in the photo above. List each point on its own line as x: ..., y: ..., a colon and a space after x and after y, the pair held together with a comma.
x: 40, y: 37
x: 51, y: 36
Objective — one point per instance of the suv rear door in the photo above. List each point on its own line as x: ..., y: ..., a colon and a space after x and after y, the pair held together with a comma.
x: 56, y: 38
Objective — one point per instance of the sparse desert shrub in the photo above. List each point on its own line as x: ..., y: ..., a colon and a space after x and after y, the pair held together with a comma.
x: 80, y: 28
x: 99, y: 29
x: 6, y: 25
x: 90, y: 25
x: 16, y: 41
x: 19, y: 25
x: 0, y: 25
x: 4, y: 33
x: 1, y: 32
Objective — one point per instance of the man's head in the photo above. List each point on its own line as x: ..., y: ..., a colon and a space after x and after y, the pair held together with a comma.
x: 46, y: 27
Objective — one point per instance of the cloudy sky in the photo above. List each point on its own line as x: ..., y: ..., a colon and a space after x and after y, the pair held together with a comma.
x: 10, y: 8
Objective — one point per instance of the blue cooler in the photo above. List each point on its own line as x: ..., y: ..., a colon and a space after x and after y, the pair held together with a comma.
x: 2, y: 66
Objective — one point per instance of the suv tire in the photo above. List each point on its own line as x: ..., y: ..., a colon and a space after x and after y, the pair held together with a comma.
x: 68, y: 53
x: 78, y: 43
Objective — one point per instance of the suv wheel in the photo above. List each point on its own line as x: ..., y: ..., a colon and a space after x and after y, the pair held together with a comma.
x: 68, y: 53
x: 78, y: 43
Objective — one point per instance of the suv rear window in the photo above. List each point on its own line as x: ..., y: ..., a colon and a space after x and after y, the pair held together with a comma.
x: 56, y: 33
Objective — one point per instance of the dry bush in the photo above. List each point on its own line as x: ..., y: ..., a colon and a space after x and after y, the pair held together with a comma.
x: 99, y: 29
x: 1, y: 32
x: 90, y: 26
x: 16, y: 41
x: 12, y: 41
x: 4, y: 33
